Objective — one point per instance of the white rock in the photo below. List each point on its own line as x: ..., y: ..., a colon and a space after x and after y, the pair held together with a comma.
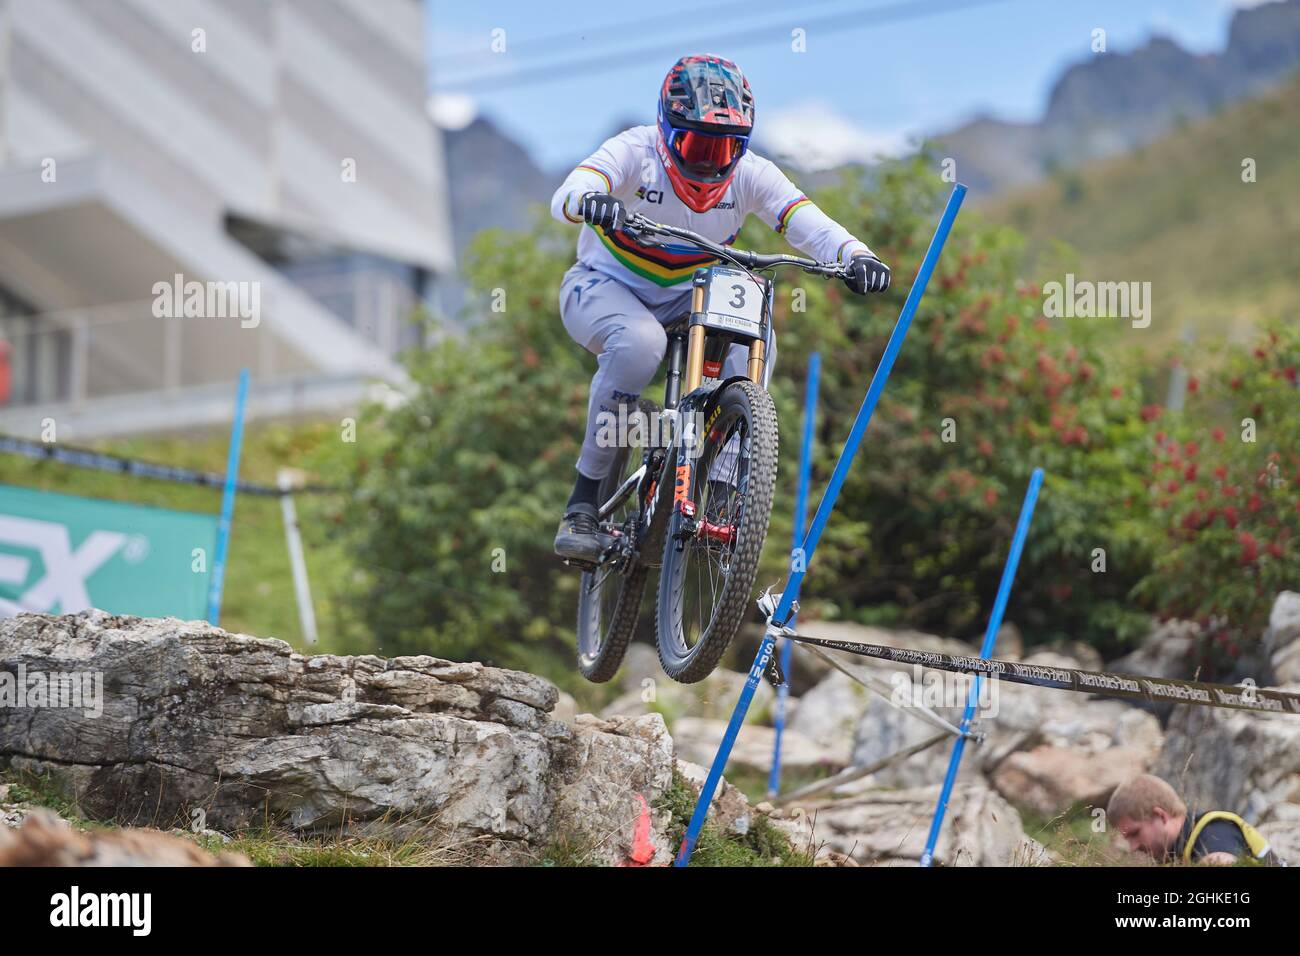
x: 1284, y: 838
x: 828, y: 713
x: 250, y: 732
x: 889, y: 827
x: 612, y: 773
x: 1283, y: 638
x: 714, y: 697
x: 697, y: 740
x: 1220, y: 759
x: 1052, y: 779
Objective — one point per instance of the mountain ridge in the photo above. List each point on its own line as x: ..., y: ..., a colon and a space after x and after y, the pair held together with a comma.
x: 1113, y: 103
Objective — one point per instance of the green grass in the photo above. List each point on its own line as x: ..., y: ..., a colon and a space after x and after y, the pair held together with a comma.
x: 410, y: 845
x: 41, y: 791
x: 259, y: 596
x: 414, y: 845
x: 1071, y: 835
x: 1219, y: 252
x: 565, y: 853
x: 418, y: 847
x: 763, y: 845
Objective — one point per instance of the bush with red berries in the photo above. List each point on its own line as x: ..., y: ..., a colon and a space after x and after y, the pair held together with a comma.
x: 985, y: 389
x: 1224, y: 485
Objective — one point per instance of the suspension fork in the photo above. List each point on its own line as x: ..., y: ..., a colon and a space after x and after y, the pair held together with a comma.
x: 695, y: 337
x: 676, y: 359
x: 759, y: 368
x: 757, y: 361
x: 757, y: 372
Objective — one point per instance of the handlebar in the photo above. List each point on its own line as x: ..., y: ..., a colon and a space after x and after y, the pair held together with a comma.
x: 639, y: 226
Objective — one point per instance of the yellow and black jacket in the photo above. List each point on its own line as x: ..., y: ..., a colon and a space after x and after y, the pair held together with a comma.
x: 1246, y: 843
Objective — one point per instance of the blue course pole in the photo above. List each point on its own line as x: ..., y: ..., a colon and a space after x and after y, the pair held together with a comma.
x: 800, y: 519
x: 986, y: 650
x: 791, y: 593
x: 227, y: 503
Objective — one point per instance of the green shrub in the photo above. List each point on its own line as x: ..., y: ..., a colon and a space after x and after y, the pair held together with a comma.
x: 923, y: 525
x: 1222, y: 480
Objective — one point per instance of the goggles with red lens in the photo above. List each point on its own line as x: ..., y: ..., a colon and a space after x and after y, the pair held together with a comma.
x: 707, y: 156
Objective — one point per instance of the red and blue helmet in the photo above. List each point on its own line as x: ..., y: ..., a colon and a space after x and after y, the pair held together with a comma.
x: 706, y: 115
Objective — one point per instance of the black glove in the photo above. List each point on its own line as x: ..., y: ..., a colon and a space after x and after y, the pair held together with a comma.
x: 602, y: 209
x: 867, y: 274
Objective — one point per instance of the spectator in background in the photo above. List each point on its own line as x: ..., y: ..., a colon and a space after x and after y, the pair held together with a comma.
x: 1153, y: 819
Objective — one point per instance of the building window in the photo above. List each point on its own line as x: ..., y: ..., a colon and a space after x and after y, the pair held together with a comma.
x: 376, y: 296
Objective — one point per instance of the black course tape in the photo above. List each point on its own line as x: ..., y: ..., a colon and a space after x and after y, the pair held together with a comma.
x: 1157, y: 689
x: 116, y: 464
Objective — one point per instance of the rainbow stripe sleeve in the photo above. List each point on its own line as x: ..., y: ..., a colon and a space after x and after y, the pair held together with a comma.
x: 783, y: 220
x: 609, y: 183
x: 604, y: 178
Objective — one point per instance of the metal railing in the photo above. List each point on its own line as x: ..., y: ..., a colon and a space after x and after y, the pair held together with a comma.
x: 77, y: 355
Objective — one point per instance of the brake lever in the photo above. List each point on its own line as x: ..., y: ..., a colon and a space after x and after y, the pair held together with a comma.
x: 638, y: 224
x: 645, y: 238
x: 640, y: 232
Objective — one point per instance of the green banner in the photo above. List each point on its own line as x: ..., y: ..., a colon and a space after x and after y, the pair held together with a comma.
x: 60, y: 554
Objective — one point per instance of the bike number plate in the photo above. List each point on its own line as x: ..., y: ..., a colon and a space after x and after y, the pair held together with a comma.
x: 735, y: 302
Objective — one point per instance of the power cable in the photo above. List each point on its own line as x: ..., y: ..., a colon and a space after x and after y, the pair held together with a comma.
x: 639, y: 28
x: 895, y: 13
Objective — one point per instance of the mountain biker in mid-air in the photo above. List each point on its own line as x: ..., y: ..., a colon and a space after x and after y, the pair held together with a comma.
x: 693, y: 170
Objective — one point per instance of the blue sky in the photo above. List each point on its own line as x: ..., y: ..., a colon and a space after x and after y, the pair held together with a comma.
x: 871, y: 85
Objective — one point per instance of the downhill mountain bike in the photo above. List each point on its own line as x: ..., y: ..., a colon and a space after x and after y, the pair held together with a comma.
x: 690, y: 491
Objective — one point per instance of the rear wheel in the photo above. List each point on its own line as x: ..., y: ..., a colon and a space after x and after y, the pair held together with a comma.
x: 609, y: 597
x: 711, y: 560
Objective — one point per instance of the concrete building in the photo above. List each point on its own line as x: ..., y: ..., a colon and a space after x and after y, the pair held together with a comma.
x: 278, y: 149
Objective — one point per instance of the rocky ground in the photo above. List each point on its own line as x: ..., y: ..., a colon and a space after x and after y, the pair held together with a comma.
x: 245, y: 750
x: 219, y: 733
x: 1047, y: 762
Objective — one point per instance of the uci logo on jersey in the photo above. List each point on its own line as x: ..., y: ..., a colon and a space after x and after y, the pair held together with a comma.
x: 650, y: 195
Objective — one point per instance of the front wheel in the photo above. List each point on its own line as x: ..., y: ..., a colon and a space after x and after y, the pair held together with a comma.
x: 711, y: 558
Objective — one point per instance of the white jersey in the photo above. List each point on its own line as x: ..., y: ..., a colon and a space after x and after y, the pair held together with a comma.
x: 628, y: 166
